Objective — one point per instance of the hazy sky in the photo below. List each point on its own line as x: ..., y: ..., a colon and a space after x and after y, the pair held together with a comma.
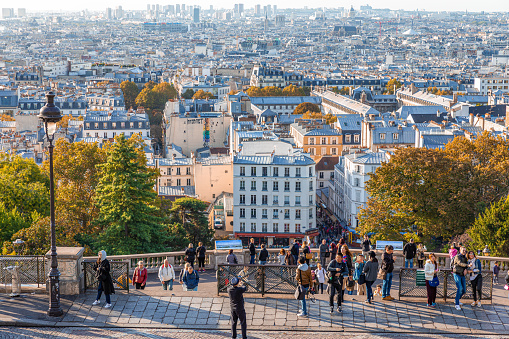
x: 432, y: 5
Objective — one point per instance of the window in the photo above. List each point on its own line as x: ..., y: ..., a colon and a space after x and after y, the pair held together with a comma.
x: 275, y: 213
x: 332, y: 175
x: 357, y: 195
x: 242, y: 212
x: 287, y: 200
x: 264, y: 213
x: 312, y: 151
x: 264, y: 200
x: 348, y: 138
x: 311, y: 200
x: 287, y: 186
x: 311, y: 141
x: 287, y: 214
x: 310, y: 213
x: 297, y: 214
x: 334, y: 151
x: 395, y: 136
x: 242, y: 185
x: 356, y: 138
x: 356, y: 182
x: 253, y: 199
x: 178, y: 182
x: 297, y: 200
x: 297, y: 228
x: 321, y: 184
x: 275, y: 200
x: 334, y: 141
x: 275, y: 227
x: 287, y: 171
x: 287, y: 228
x: 297, y: 172
x: 253, y: 213
x: 310, y: 185
x: 253, y: 185
x: 297, y: 186
x: 188, y: 171
x: 264, y: 227
x: 253, y: 227
x: 253, y: 171
x: 242, y: 171
x: 264, y: 171
x: 320, y: 174
x: 324, y: 141
x: 242, y: 226
x: 382, y: 136
x: 264, y: 186
x: 242, y: 200
x: 310, y: 171
x: 324, y: 151
x: 276, y: 171
x: 188, y: 182
x: 275, y: 186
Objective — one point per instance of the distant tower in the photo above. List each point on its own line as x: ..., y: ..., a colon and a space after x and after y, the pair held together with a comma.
x: 266, y: 23
x: 196, y: 15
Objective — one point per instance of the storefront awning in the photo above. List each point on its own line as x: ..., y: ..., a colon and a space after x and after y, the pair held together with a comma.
x: 270, y: 235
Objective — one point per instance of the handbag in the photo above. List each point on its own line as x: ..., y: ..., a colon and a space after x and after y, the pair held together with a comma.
x: 299, y: 292
x: 309, y: 255
x: 362, y: 279
x: 435, y: 282
x: 381, y: 274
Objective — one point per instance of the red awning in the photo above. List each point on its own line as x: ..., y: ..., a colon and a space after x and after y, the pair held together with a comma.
x: 271, y: 235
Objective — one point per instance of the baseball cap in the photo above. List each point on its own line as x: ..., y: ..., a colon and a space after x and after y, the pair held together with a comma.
x: 234, y: 281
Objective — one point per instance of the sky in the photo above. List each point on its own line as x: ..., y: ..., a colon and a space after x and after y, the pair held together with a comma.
x: 429, y: 5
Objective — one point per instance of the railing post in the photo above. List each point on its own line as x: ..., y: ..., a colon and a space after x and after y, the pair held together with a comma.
x: 263, y: 280
x: 84, y: 274
x: 446, y: 274
x: 37, y: 263
x: 400, y: 280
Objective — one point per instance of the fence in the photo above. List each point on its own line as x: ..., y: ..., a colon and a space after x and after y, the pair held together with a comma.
x: 31, y: 269
x: 408, y: 286
x: 119, y: 271
x: 264, y: 279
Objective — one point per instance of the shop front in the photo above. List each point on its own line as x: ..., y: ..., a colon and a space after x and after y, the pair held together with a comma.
x: 272, y: 240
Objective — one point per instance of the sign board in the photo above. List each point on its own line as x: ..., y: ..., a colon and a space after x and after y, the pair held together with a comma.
x: 398, y: 245
x: 420, y: 278
x: 229, y: 244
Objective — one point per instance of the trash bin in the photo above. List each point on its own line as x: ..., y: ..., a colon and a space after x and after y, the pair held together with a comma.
x: 16, y: 283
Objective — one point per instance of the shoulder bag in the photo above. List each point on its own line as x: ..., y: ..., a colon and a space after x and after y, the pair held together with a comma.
x: 434, y: 282
x: 299, y: 292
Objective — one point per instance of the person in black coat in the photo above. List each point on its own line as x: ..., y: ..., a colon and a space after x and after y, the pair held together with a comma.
x: 337, y: 268
x: 190, y: 255
x: 236, y: 293
x: 252, y: 252
x: 102, y: 273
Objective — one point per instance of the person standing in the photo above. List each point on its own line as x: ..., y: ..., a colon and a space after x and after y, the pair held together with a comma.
x: 336, y: 270
x: 238, y: 312
x: 387, y: 268
x: 281, y: 258
x: 231, y: 258
x: 459, y: 269
x: 409, y: 252
x: 140, y: 276
x: 324, y: 252
x: 295, y: 252
x: 201, y: 250
x: 289, y: 258
x: 420, y: 255
x: 333, y: 250
x: 252, y: 251
x: 475, y: 269
x: 102, y: 273
x: 371, y: 271
x: 263, y: 256
x: 320, y: 274
x: 190, y: 254
x: 366, y: 246
x: 348, y: 276
x: 496, y: 271
x: 430, y: 272
x: 304, y: 279
x: 190, y: 279
x: 358, y: 271
x: 306, y: 251
x: 166, y: 275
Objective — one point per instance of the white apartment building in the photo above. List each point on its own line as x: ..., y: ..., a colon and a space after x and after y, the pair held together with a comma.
x: 274, y: 195
x: 493, y: 84
x: 108, y: 124
x: 350, y: 177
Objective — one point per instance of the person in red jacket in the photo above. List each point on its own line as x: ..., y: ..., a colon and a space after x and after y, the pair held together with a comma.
x: 140, y: 276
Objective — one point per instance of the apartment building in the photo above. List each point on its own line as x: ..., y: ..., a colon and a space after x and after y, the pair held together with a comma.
x: 491, y: 85
x: 316, y: 138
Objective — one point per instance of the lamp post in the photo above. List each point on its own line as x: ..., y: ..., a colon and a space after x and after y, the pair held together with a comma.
x: 50, y: 115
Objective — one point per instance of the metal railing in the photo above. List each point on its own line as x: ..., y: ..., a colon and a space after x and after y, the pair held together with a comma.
x: 31, y: 269
x: 119, y: 271
x: 408, y: 286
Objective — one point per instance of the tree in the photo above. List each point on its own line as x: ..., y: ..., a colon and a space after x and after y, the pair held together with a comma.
x: 293, y: 91
x: 188, y: 94
x: 254, y: 92
x: 5, y: 117
x: 190, y: 213
x: 391, y: 84
x: 307, y: 90
x: 329, y: 118
x: 492, y: 229
x: 11, y: 221
x: 233, y: 92
x: 272, y: 91
x: 201, y: 94
x: 162, y: 93
x: 130, y: 91
x: 146, y: 98
x: 125, y: 198
x: 306, y: 107
x: 344, y: 91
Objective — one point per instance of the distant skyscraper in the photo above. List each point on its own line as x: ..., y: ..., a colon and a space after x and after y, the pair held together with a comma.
x: 241, y: 9
x: 258, y: 10
x: 119, y: 12
x: 183, y: 8
x: 196, y: 15
x: 275, y: 9
x: 22, y: 12
x: 171, y: 9
x: 108, y: 15
x: 177, y: 9
x: 7, y: 13
x: 211, y: 8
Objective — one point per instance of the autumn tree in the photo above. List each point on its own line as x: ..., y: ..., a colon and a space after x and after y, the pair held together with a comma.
x: 130, y: 91
x: 306, y: 107
x: 6, y: 117
x: 146, y: 98
x: 272, y: 91
x: 188, y: 94
x: 329, y: 118
x: 293, y: 91
x: 233, y: 92
x: 391, y: 84
x: 254, y: 92
x: 344, y: 91
x: 162, y: 93
x: 201, y: 94
x: 11, y: 221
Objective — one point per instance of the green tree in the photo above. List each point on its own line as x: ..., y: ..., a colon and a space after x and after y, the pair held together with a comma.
x: 344, y: 91
x: 201, y: 94
x: 307, y: 90
x: 125, y: 198
x: 188, y: 94
x: 130, y: 91
x: 11, y: 221
x: 162, y: 93
x: 190, y: 213
x: 390, y: 85
x: 306, y: 107
x: 492, y: 229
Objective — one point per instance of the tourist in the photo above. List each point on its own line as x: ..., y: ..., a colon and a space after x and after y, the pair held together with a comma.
x: 238, y: 312
x: 295, y: 252
x: 320, y: 274
x: 358, y: 271
x: 366, y: 246
x: 336, y: 270
x: 304, y: 279
x: 409, y: 252
x: 190, y: 254
x: 348, y: 283
x: 182, y: 271
x: 263, y: 256
x: 333, y: 250
x: 475, y: 277
x: 324, y: 252
x: 289, y: 259
x: 378, y: 292
x: 430, y: 273
x: 190, y: 279
x: 496, y: 270
x: 452, y: 252
x: 252, y: 251
x: 201, y: 250
x: 420, y: 255
x: 387, y: 268
x: 459, y: 268
x: 231, y: 258
x: 140, y: 276
x: 166, y: 275
x: 370, y: 270
x: 306, y: 251
x: 281, y: 258
x: 507, y: 281
x: 102, y: 273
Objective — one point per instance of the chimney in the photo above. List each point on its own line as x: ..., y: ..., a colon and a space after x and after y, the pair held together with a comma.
x: 413, y: 89
x: 487, y: 117
x: 438, y: 114
x: 471, y: 118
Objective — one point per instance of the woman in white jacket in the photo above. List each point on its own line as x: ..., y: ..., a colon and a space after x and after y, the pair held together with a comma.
x: 166, y: 275
x: 430, y: 272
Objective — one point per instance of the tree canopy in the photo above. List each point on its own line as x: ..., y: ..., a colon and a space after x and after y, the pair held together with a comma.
x: 130, y: 91
x: 201, y: 94
x: 272, y: 91
x: 329, y: 118
x: 188, y: 94
x: 306, y: 107
x: 390, y: 85
x: 154, y: 96
x: 190, y: 213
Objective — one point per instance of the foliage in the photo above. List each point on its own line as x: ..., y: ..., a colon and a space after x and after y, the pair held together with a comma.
x: 233, y: 92
x: 307, y: 91
x: 293, y: 91
x: 5, y: 117
x: 390, y: 85
x: 254, y: 92
x: 130, y: 91
x: 306, y: 107
x: 11, y: 221
x: 154, y: 96
x: 125, y: 198
x: 492, y: 229
x: 329, y: 118
x: 188, y: 94
x: 201, y: 94
x: 191, y: 213
x: 342, y: 91
x: 273, y: 91
x: 436, y: 91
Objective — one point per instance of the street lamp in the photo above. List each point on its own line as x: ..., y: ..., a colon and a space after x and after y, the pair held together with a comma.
x: 50, y: 116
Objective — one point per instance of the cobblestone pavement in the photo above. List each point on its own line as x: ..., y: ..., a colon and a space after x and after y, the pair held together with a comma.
x: 82, y: 333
